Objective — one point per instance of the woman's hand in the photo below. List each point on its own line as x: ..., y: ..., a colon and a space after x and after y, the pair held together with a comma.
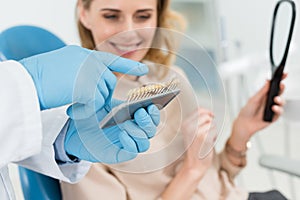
x: 195, y: 130
x: 250, y: 118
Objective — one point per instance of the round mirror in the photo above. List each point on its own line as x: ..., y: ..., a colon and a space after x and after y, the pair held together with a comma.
x: 282, y: 26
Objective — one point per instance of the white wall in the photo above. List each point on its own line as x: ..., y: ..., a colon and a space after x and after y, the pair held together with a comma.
x: 55, y: 15
x: 249, y: 22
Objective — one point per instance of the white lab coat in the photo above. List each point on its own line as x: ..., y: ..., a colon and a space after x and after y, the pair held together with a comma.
x: 23, y: 138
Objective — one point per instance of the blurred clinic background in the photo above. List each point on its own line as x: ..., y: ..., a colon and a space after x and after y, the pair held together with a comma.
x: 235, y: 34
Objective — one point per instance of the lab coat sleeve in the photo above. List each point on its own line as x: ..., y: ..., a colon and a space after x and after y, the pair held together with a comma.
x: 26, y: 134
x: 20, y: 127
x: 53, y: 121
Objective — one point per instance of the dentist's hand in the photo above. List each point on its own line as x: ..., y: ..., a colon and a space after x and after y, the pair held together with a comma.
x: 85, y: 140
x: 76, y: 75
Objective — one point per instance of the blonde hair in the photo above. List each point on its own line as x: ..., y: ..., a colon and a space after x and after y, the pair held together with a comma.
x: 166, y: 18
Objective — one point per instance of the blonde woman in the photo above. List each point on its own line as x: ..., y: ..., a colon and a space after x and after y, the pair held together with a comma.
x: 100, y: 24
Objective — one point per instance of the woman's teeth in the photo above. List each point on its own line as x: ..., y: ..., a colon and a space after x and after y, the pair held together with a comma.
x: 126, y: 48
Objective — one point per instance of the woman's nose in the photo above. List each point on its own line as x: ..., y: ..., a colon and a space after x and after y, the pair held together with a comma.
x: 128, y: 24
x: 129, y: 30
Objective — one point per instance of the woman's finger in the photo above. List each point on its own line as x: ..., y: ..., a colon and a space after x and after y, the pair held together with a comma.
x: 277, y: 109
x: 284, y: 75
x: 281, y: 88
x: 279, y: 101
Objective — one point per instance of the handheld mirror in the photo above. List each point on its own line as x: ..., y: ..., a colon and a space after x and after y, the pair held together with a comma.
x: 281, y: 34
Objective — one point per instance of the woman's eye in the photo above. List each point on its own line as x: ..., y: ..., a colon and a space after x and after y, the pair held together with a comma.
x: 143, y: 17
x: 110, y: 16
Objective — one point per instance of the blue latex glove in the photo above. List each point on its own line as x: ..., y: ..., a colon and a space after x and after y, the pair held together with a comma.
x: 76, y: 75
x: 86, y: 141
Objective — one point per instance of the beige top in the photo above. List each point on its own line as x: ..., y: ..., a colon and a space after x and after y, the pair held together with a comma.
x: 147, y: 176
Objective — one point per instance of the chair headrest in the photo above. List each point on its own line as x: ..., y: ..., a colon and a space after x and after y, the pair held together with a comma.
x: 24, y: 41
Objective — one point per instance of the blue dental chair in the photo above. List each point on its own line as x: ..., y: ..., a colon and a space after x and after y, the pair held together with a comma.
x: 16, y: 43
x: 23, y: 41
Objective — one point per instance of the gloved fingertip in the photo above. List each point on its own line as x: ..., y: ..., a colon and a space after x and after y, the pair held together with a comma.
x: 124, y: 156
x: 123, y: 65
x: 154, y: 112
x: 136, y: 68
x: 151, y: 132
x: 143, y: 145
x: 141, y: 69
